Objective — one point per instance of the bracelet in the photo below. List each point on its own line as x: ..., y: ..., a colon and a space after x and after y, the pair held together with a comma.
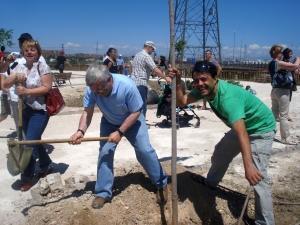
x: 120, y: 132
x: 81, y: 131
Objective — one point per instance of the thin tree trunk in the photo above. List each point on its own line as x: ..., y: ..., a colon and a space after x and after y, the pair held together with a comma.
x: 174, y: 127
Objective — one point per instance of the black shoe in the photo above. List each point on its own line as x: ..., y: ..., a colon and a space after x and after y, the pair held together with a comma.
x: 44, y: 172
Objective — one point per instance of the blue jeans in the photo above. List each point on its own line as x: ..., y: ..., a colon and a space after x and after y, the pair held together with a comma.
x: 138, y: 137
x: 34, y: 124
x: 144, y: 93
x: 261, y: 147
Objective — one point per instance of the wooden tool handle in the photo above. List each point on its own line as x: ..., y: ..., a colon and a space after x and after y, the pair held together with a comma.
x: 240, y: 221
x: 64, y: 140
x: 20, y: 118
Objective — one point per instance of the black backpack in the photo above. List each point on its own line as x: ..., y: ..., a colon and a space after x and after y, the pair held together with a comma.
x: 280, y: 78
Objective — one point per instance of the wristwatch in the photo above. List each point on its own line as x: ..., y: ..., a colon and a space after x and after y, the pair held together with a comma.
x: 81, y: 131
x: 120, y: 132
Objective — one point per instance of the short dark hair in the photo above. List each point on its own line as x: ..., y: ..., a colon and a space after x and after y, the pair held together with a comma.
x: 286, y: 53
x: 205, y: 67
x: 110, y: 50
x: 24, y: 37
x: 2, y: 48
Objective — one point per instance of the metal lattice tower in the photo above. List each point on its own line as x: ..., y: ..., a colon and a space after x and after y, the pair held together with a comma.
x: 197, y: 24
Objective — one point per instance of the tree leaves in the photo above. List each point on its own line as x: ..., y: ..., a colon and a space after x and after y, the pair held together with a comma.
x: 6, y: 37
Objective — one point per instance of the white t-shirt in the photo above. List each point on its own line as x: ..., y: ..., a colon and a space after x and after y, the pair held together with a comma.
x: 33, y: 80
x: 22, y: 60
x: 12, y: 93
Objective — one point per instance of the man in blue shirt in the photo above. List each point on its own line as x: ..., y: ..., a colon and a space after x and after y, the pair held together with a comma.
x: 120, y: 102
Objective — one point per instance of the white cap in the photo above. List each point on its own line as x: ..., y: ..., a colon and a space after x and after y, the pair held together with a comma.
x: 151, y: 44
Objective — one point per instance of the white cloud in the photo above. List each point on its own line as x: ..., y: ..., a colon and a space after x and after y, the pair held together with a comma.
x: 72, y: 45
x: 266, y: 47
x: 283, y: 45
x: 254, y: 46
x: 119, y: 46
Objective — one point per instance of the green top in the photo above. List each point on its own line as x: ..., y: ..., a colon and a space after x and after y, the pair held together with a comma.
x: 233, y: 103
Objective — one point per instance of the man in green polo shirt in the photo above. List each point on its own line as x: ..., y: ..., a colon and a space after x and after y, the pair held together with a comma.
x: 252, y: 132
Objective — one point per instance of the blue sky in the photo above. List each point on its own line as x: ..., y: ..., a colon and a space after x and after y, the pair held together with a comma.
x: 126, y: 24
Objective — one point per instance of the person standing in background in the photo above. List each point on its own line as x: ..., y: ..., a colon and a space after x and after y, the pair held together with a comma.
x: 5, y: 109
x: 281, y: 81
x: 2, y: 55
x: 142, y: 67
x: 60, y: 61
x: 288, y: 57
x: 120, y: 64
x: 111, y: 60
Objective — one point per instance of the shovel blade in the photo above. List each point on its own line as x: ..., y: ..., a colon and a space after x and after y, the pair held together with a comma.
x: 17, y: 162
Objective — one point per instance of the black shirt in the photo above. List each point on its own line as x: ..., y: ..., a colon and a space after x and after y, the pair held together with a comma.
x: 60, y: 59
x: 113, y: 68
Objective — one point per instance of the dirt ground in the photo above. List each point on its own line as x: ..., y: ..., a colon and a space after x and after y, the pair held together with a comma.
x: 134, y: 195
x: 134, y: 202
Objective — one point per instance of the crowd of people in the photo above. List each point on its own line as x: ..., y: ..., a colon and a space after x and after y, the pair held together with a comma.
x: 123, y: 103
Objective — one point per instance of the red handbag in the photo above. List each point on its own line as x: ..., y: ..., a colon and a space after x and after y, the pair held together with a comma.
x: 54, y: 102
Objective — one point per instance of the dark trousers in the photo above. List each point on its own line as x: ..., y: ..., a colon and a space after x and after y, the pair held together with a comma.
x: 34, y: 124
x: 144, y: 93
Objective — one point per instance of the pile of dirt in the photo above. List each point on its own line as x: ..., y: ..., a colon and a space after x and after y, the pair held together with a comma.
x: 134, y: 202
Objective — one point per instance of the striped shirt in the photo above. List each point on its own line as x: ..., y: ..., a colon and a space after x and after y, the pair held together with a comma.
x: 142, y: 67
